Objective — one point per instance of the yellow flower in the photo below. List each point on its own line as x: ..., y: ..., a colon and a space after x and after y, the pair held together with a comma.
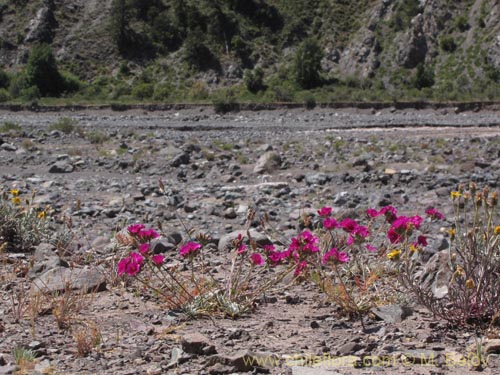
x: 394, y: 255
x: 455, y: 194
x: 469, y: 284
x: 452, y: 232
x: 14, y: 192
x: 414, y: 248
x: 41, y: 215
x: 497, y: 230
x: 459, y: 271
x: 16, y: 200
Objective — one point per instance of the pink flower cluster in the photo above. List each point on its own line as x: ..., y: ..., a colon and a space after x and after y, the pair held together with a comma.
x: 357, y: 233
x: 134, y: 263
x: 142, y: 234
x: 189, y: 249
x: 335, y: 256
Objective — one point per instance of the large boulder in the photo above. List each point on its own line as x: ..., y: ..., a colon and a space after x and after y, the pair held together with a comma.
x: 268, y: 162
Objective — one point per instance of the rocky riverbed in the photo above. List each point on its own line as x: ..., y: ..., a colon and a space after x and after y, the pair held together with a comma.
x: 102, y: 172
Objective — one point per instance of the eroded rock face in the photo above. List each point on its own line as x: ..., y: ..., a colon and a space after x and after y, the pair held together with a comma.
x: 413, y: 46
x: 40, y: 28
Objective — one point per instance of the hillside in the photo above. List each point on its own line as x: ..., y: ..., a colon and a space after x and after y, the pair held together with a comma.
x: 257, y: 50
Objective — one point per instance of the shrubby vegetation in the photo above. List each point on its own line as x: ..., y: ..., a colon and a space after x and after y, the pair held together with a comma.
x: 264, y: 51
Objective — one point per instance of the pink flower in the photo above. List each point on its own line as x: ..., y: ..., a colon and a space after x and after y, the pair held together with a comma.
x: 189, y: 249
x: 422, y: 241
x: 393, y: 236
x: 131, y: 265
x: 269, y: 248
x: 361, y: 231
x: 135, y: 228
x: 305, y: 242
x: 350, y: 240
x: 335, y: 256
x: 301, y: 267
x: 330, y: 223
x: 348, y: 225
x: 158, y: 259
x: 257, y: 259
x: 434, y: 214
x: 372, y: 212
x: 147, y: 234
x: 275, y: 257
x: 242, y: 249
x: 325, y: 211
x: 371, y: 248
x: 144, y: 248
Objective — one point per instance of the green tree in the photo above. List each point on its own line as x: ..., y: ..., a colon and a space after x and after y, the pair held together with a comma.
x: 120, y: 19
x: 307, y: 64
x: 4, y: 79
x: 42, y: 72
x: 424, y: 77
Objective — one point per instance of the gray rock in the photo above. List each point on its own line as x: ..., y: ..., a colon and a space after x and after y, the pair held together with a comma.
x: 225, y: 242
x: 8, y: 369
x: 61, y: 167
x: 437, y: 274
x: 180, y: 159
x: 8, y: 147
x: 350, y: 348
x: 45, y: 258
x: 317, y: 179
x: 413, y: 46
x: 160, y: 245
x: 392, y: 313
x: 60, y: 278
x: 268, y: 162
x: 195, y: 343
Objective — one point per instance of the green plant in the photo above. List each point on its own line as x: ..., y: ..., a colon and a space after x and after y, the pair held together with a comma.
x: 472, y: 295
x: 65, y: 125
x: 42, y: 71
x: 9, y: 126
x: 96, y: 137
x: 307, y: 64
x: 4, y: 95
x: 447, y: 43
x: 22, y: 224
x: 254, y: 79
x: 22, y: 355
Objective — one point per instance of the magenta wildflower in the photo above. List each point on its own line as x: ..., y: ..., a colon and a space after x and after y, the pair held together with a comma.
x: 257, y: 259
x: 350, y: 240
x: 305, y: 242
x: 144, y: 248
x: 434, y: 214
x: 269, y: 248
x: 242, y: 249
x: 135, y: 228
x: 361, y: 231
x: 394, y: 236
x: 130, y: 265
x: 301, y: 267
x: 330, y: 223
x: 335, y: 256
x: 422, y: 240
x: 325, y: 211
x: 189, y: 249
x: 348, y: 225
x: 275, y: 257
x: 372, y: 212
x: 371, y: 248
x: 147, y: 234
x: 158, y: 259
